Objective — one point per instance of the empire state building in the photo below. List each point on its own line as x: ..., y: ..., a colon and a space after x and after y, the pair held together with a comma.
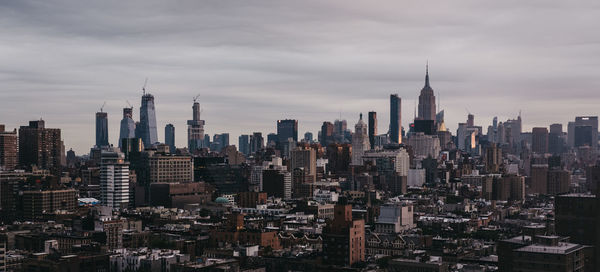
x: 427, y: 100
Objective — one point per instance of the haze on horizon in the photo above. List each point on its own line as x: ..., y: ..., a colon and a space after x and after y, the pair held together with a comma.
x: 255, y: 62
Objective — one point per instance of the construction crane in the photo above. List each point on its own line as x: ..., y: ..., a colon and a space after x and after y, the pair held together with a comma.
x: 130, y: 106
x: 102, y: 108
x: 196, y: 98
x: 144, y: 87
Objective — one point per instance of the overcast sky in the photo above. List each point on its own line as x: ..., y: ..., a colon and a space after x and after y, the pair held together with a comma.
x: 254, y: 62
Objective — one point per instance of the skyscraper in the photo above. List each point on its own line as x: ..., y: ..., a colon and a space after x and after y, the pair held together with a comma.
x: 127, y: 130
x: 539, y: 140
x: 326, y: 135
x: 170, y: 137
x: 147, y: 130
x: 8, y: 149
x: 114, y: 179
x: 287, y: 128
x: 305, y: 158
x: 257, y: 142
x: 244, y: 144
x: 101, y: 129
x: 427, y: 100
x: 40, y: 146
x: 360, y: 142
x: 372, y: 128
x: 395, y: 119
x: 308, y: 137
x: 195, y: 129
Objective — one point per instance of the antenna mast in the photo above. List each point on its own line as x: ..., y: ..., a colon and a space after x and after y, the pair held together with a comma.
x: 144, y: 87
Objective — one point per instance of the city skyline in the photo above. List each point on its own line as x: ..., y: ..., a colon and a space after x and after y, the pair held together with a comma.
x: 252, y: 71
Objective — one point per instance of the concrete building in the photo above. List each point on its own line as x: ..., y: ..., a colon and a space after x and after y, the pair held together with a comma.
x: 395, y: 218
x: 344, y: 238
x: 40, y: 146
x: 539, y: 140
x: 424, y: 145
x: 170, y: 168
x: 305, y: 158
x: 37, y: 203
x: 177, y: 195
x: 8, y: 149
x: 389, y: 160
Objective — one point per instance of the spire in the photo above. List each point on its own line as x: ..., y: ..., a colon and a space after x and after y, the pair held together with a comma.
x: 361, y: 116
x: 427, y: 74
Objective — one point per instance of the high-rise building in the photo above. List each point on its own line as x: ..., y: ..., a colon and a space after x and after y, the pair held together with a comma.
x: 424, y: 145
x: 114, y: 179
x: 340, y: 131
x: 558, y: 181
x: 101, y: 129
x: 372, y: 128
x: 257, y: 142
x: 287, y: 128
x: 148, y: 130
x: 470, y: 120
x: 40, y: 146
x: 576, y: 217
x: 493, y: 158
x: 277, y: 183
x: 360, y: 142
x: 308, y: 137
x: 556, y: 143
x: 326, y: 135
x: 127, y: 130
x: 305, y: 158
x: 539, y: 179
x: 584, y: 131
x: 170, y: 137
x: 219, y: 142
x: 8, y: 149
x: 395, y: 119
x: 539, y: 140
x: 195, y: 130
x: 427, y: 100
x: 244, y: 144
x: 344, y: 237
x: 272, y: 139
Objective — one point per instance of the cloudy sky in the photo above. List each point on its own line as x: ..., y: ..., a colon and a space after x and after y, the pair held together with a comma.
x: 254, y: 62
